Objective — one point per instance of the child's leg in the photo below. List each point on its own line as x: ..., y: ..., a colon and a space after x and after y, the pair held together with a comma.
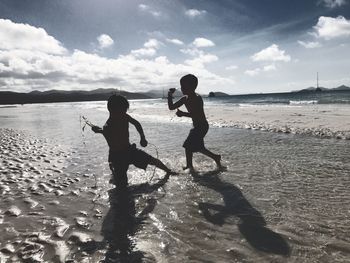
x: 215, y: 157
x: 158, y: 163
x: 120, y: 177
x: 189, y: 155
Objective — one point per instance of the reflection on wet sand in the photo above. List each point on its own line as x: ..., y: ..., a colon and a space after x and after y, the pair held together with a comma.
x: 123, y: 220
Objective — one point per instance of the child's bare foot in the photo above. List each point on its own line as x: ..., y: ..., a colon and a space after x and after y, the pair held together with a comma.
x: 217, y: 160
x: 171, y: 172
x: 190, y: 168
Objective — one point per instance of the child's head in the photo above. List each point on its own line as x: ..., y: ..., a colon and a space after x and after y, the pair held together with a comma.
x: 188, y: 83
x: 117, y: 104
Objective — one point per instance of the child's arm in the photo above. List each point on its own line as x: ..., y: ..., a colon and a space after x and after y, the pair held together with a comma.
x: 96, y: 129
x: 180, y: 113
x: 138, y: 127
x: 171, y: 104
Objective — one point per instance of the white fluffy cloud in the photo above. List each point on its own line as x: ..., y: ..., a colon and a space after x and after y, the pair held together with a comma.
x: 310, y: 44
x: 105, y: 41
x: 175, y: 41
x: 201, y: 60
x: 203, y: 42
x: 257, y: 71
x: 199, y: 57
x: 333, y: 3
x: 39, y: 68
x: 271, y: 53
x: 152, y: 43
x: 194, y: 12
x: 329, y: 27
x: 150, y: 10
x: 149, y: 49
x: 26, y: 37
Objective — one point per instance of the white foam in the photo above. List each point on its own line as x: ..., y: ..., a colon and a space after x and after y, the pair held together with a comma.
x: 302, y: 102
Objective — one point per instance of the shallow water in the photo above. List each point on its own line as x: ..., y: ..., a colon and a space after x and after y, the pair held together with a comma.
x: 283, y: 197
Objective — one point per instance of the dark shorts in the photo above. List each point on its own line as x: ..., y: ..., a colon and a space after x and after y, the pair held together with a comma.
x: 122, y: 159
x: 195, y: 139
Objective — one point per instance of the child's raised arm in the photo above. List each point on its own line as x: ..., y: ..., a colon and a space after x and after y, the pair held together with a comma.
x: 171, y: 104
x: 138, y: 127
x: 96, y: 129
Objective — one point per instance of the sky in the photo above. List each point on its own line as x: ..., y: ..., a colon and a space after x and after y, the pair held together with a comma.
x: 232, y: 46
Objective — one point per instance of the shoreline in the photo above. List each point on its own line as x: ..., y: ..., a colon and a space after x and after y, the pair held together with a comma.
x: 331, y: 121
x: 322, y: 121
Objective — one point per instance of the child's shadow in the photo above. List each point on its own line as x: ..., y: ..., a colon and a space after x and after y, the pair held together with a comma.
x: 122, y: 221
x: 252, y: 225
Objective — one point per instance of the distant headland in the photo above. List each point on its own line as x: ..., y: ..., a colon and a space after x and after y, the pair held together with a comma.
x: 9, y: 97
x: 318, y: 89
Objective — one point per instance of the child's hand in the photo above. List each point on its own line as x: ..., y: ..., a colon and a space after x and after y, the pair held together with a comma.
x: 171, y: 91
x: 179, y: 113
x: 96, y: 129
x: 143, y: 142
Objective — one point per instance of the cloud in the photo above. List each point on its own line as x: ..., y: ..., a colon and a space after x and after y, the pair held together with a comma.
x: 194, y: 13
x: 232, y: 67
x: 272, y: 53
x: 309, y: 44
x: 333, y: 3
x: 152, y: 43
x: 257, y: 71
x: 26, y: 37
x: 150, y: 10
x: 149, y: 49
x: 175, y: 41
x: 144, y: 52
x: 201, y: 60
x: 199, y: 57
x: 203, y: 42
x: 105, y: 41
x: 38, y: 68
x: 271, y: 67
x: 329, y: 27
x: 253, y: 72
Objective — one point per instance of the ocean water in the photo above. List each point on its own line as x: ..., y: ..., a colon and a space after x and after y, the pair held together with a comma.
x: 281, y: 198
x: 293, y: 98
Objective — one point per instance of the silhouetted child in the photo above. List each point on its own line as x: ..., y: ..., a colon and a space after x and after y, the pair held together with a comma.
x: 121, y: 152
x: 194, y: 105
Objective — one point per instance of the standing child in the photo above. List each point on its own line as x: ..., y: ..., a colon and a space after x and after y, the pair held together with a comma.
x: 121, y: 152
x: 194, y: 105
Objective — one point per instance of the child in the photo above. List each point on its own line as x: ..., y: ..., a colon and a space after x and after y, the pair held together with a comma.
x: 121, y: 152
x: 194, y: 105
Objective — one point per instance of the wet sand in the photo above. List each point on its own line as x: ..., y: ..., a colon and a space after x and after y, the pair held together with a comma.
x: 34, y: 190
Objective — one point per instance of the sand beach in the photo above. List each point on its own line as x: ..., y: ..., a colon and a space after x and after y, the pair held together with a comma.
x: 283, y: 198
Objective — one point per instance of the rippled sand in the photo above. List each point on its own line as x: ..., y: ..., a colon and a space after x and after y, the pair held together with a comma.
x: 282, y: 198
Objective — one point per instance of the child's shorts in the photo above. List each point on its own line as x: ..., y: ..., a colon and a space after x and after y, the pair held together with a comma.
x: 132, y: 155
x: 195, y: 139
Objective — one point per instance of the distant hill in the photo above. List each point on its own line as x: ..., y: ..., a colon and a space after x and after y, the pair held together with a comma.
x: 217, y: 94
x: 8, y: 97
x: 313, y: 89
x: 342, y: 88
x: 162, y: 93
